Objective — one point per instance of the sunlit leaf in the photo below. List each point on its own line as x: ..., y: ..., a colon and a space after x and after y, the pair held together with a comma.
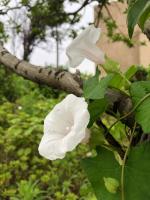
x: 136, y: 175
x: 134, y: 13
x: 94, y: 88
x: 142, y: 114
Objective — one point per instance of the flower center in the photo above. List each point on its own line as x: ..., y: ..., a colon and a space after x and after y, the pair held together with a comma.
x: 68, y: 128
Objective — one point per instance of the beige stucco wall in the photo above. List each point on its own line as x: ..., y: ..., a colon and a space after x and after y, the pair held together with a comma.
x: 144, y: 51
x: 118, y: 50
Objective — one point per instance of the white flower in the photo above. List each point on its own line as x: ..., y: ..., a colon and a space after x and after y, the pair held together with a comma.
x: 87, y: 136
x: 64, y: 127
x: 84, y: 46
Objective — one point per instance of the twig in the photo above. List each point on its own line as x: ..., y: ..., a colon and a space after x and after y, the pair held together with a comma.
x: 110, y: 15
x: 129, y: 113
x: 115, y: 145
x: 97, y: 19
x: 4, y: 12
x: 85, y: 3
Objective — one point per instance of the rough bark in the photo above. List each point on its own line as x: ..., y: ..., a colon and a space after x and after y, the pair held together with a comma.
x: 55, y: 78
x: 71, y: 83
x: 63, y: 80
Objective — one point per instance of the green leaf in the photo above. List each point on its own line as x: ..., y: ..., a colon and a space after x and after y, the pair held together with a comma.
x: 117, y: 131
x: 142, y: 113
x: 144, y: 16
x: 131, y: 71
x: 134, y: 13
x: 94, y: 88
x: 97, y: 137
x: 136, y: 176
x: 111, y: 184
x: 99, y: 167
x: 137, y: 173
x: 117, y: 81
x: 111, y: 66
x: 96, y: 108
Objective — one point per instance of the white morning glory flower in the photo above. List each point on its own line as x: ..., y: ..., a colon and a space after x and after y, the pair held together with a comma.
x: 64, y: 127
x: 84, y: 46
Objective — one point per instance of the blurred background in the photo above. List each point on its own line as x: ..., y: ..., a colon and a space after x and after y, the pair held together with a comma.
x: 39, y: 31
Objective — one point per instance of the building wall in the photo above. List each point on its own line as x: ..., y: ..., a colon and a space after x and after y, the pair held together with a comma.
x: 144, y: 51
x: 118, y: 50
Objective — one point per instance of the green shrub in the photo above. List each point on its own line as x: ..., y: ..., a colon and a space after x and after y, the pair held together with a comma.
x: 21, y: 128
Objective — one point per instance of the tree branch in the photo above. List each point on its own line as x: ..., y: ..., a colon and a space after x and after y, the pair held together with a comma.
x: 55, y: 78
x: 120, y: 102
x: 64, y: 80
x: 5, y: 11
x: 85, y: 3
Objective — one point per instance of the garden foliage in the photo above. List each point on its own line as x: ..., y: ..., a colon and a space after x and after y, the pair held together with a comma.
x: 118, y: 170
x: 24, y: 174
x: 115, y: 176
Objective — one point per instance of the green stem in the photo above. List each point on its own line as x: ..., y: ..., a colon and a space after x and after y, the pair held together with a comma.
x: 124, y: 162
x: 117, y: 72
x: 123, y: 76
x: 129, y: 113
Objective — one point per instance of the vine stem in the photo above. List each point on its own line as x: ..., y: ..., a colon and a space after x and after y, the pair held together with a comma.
x: 129, y: 113
x: 124, y: 162
x: 123, y: 76
x: 130, y: 141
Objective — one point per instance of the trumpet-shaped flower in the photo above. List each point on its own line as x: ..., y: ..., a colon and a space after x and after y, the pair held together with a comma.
x: 64, y: 127
x: 84, y: 46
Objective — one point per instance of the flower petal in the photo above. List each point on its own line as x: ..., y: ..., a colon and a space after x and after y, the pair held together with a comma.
x: 50, y: 148
x: 84, y: 46
x: 78, y: 131
x: 92, y: 52
x: 64, y: 127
